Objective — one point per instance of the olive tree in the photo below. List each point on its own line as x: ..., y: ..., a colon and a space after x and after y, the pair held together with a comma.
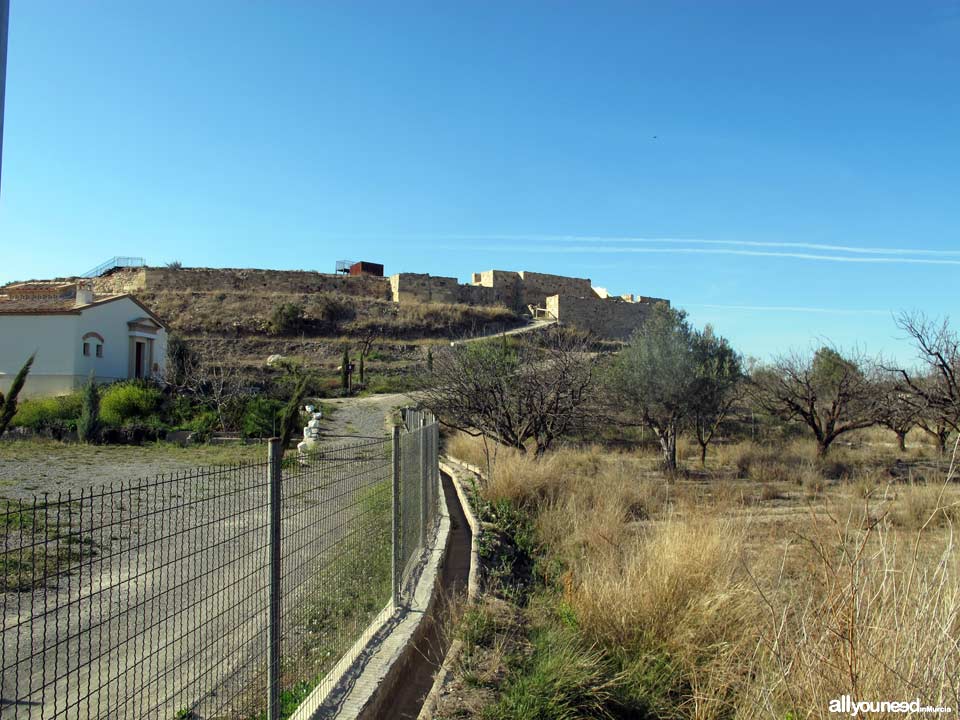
x: 829, y: 392
x: 670, y: 376
x: 719, y: 373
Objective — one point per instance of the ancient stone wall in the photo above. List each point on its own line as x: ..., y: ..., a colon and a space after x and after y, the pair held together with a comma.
x: 421, y: 287
x: 130, y: 280
x: 503, y: 286
x: 535, y: 288
x: 609, y: 318
x: 226, y: 279
x: 517, y: 290
x: 477, y: 295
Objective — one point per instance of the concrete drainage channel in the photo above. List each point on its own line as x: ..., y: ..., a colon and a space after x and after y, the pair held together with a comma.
x: 396, y: 667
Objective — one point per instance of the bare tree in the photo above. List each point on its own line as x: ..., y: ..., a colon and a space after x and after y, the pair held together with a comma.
x: 934, y: 390
x: 513, y: 392
x: 831, y: 393
x: 210, y: 381
x: 937, y: 428
x: 896, y: 410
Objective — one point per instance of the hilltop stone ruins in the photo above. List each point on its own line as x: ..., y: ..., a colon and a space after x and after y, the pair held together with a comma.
x: 569, y: 301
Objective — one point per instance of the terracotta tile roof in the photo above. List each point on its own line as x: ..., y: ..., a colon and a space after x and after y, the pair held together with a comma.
x: 47, y: 305
x: 39, y: 286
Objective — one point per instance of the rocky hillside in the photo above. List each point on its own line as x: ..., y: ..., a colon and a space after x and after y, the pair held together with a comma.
x: 244, y: 329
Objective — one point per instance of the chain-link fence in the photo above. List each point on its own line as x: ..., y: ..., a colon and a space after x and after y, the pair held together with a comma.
x: 224, y: 592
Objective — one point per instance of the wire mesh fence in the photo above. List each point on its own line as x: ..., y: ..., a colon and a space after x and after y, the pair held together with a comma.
x: 224, y: 592
x: 417, y: 492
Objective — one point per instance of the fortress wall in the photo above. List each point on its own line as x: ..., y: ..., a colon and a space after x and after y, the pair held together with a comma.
x: 229, y: 279
x: 610, y: 318
x: 421, y: 287
x: 477, y: 295
x: 504, y: 287
x: 535, y: 287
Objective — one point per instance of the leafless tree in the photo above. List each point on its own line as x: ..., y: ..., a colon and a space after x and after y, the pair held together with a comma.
x: 211, y: 381
x: 513, y: 391
x: 829, y: 392
x: 935, y: 426
x: 934, y: 389
x: 896, y: 409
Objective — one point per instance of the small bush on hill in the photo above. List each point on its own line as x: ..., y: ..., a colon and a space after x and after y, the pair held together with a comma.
x: 125, y: 401
x: 287, y: 319
x: 329, y: 308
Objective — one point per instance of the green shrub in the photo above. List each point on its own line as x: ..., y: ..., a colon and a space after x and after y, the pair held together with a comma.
x: 287, y: 319
x: 125, y: 401
x: 330, y: 308
x: 261, y: 417
x: 204, y: 424
x: 41, y: 413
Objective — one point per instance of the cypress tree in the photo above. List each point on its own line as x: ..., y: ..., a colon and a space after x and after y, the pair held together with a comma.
x: 345, y: 369
x: 88, y: 427
x: 291, y: 413
x: 8, y: 404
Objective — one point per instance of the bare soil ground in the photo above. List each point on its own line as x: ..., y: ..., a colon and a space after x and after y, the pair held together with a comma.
x: 36, y: 466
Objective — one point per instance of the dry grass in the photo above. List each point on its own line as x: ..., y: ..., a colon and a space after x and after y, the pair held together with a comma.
x: 858, y: 608
x: 231, y: 313
x: 765, y: 591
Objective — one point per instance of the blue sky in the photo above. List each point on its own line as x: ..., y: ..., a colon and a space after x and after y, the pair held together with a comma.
x: 786, y: 171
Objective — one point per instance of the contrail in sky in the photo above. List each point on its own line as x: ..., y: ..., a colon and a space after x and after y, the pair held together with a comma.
x: 701, y: 241
x: 594, y: 249
x: 572, y: 244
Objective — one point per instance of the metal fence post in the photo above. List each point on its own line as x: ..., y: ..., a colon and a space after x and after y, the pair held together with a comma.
x: 275, y: 458
x: 395, y: 563
x: 424, y: 474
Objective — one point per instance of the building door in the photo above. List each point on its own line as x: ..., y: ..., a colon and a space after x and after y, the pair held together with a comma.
x: 138, y: 363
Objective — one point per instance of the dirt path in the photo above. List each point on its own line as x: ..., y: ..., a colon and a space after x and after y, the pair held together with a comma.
x: 362, y: 417
x: 531, y: 327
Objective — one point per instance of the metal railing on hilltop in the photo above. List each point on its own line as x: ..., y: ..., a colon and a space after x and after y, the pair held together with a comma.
x: 112, y: 264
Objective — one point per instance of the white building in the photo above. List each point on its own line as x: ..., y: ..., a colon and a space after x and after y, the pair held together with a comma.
x: 72, y: 334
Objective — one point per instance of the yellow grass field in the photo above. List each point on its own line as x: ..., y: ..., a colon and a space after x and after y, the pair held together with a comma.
x: 764, y: 585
